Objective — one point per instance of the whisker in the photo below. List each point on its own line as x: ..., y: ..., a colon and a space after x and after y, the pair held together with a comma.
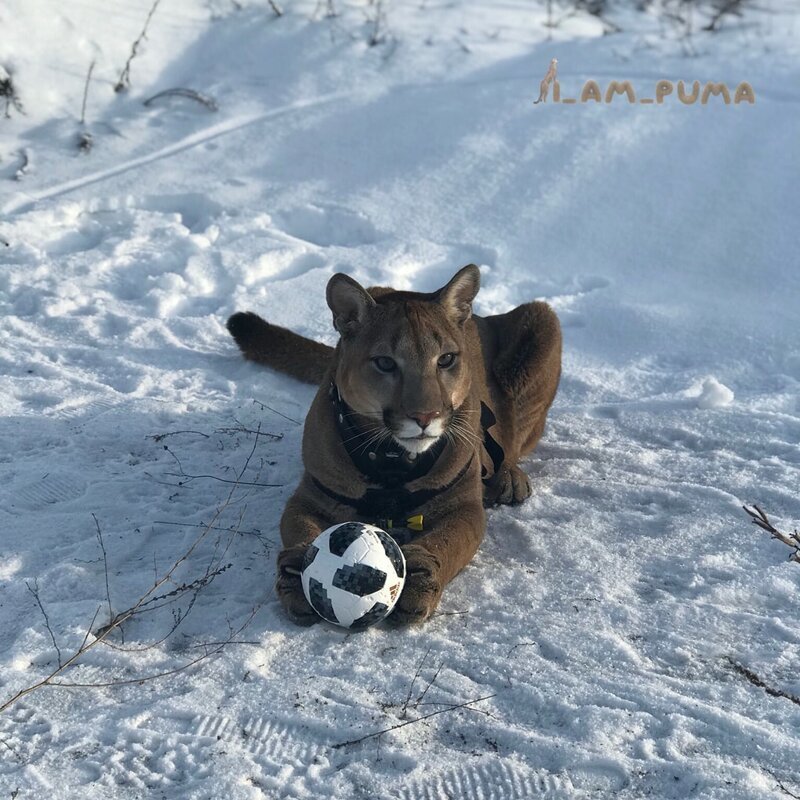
x: 466, y: 431
x: 375, y: 437
x: 363, y: 433
x: 376, y: 440
x: 470, y: 438
x: 372, y: 414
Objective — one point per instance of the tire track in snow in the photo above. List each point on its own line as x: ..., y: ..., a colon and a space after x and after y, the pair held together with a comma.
x: 29, y: 200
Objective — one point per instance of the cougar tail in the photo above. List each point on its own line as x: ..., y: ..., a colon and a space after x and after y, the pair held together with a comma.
x: 279, y: 348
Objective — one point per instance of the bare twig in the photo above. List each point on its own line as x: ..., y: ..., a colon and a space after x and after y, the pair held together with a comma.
x: 105, y: 565
x: 733, y: 7
x: 757, y: 681
x: 216, y: 478
x: 226, y: 642
x: 86, y: 93
x: 124, y: 80
x: 85, y: 138
x: 378, y: 23
x: 242, y: 429
x: 34, y: 590
x: 269, y: 408
x: 13, y: 752
x: 758, y: 517
x: 404, y: 708
x: 418, y: 701
x: 90, y: 628
x: 8, y: 92
x: 157, y: 437
x: 154, y: 603
x: 785, y: 790
x: 276, y: 9
x: 205, y: 100
x: 521, y: 644
x: 146, y: 598
x: 85, y: 141
x: 215, y: 648
x: 24, y: 167
x: 413, y: 721
x: 257, y: 533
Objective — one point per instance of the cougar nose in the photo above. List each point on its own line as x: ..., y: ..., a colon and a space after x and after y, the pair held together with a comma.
x: 423, y: 418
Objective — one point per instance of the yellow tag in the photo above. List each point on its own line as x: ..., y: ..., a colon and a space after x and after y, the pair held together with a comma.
x: 415, y: 523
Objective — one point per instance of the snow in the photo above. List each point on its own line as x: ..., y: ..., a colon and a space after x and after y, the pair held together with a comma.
x: 714, y: 394
x: 604, y: 617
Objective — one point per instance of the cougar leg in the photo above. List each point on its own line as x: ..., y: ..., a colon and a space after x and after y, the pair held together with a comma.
x: 526, y: 368
x: 299, y: 527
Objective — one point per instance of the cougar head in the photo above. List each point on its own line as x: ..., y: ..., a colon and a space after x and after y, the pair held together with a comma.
x: 403, y: 367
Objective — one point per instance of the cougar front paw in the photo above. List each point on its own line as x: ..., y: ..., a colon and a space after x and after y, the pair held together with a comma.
x: 509, y: 486
x: 289, y: 588
x: 423, y: 587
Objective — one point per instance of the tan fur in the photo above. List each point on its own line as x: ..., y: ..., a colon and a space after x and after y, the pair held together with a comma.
x: 510, y: 361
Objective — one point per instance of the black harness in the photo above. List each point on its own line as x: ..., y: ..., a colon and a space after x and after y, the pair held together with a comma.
x: 392, y: 467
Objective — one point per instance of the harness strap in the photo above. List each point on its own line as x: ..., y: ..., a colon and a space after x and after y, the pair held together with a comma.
x: 490, y: 444
x: 393, y: 503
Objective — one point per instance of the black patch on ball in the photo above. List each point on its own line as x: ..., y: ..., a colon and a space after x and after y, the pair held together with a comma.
x: 375, y: 614
x: 344, y: 536
x: 320, y: 602
x: 308, y: 558
x: 359, y: 579
x: 390, y: 548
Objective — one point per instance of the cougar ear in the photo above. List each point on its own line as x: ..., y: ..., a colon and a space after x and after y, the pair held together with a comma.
x: 458, y: 294
x: 348, y: 301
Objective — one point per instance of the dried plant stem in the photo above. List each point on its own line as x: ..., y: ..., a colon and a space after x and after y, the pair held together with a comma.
x: 105, y: 565
x: 34, y: 590
x: 758, y: 517
x: 404, y: 709
x: 757, y: 681
x: 215, y: 648
x: 274, y: 411
x: 86, y: 93
x: 124, y: 80
x: 729, y: 7
x: 467, y: 704
x: 209, y: 102
x: 148, y: 597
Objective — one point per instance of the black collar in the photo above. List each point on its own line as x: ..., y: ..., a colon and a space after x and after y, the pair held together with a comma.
x: 385, y: 463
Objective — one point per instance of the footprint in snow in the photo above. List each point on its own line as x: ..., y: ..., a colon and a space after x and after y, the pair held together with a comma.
x: 496, y: 780
x: 25, y: 735
x: 327, y: 226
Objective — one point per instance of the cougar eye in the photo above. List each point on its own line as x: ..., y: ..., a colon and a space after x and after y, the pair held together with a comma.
x: 385, y: 364
x: 447, y: 360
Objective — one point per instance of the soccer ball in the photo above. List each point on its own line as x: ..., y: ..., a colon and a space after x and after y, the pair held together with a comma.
x: 353, y: 574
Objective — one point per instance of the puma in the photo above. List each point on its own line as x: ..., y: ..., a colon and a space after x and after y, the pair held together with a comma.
x: 423, y: 409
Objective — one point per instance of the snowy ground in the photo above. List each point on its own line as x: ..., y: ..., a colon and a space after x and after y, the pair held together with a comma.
x: 605, y: 615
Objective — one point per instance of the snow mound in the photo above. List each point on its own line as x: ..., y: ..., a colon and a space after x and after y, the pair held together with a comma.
x: 714, y: 394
